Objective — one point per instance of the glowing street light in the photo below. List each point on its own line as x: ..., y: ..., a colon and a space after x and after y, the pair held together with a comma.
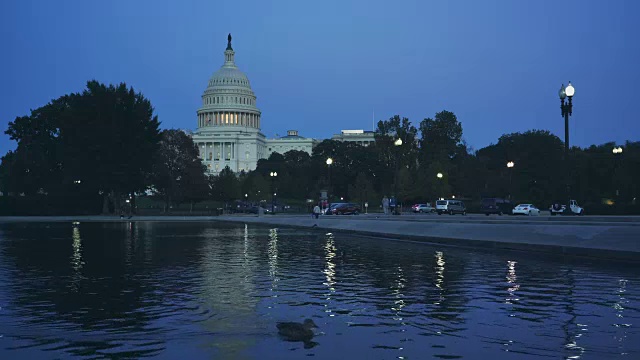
x: 273, y: 176
x: 566, y: 110
x: 510, y: 165
x: 397, y: 144
x: 329, y: 162
x: 616, y: 152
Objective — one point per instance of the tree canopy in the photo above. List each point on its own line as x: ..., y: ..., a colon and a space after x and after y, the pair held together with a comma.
x: 105, y: 142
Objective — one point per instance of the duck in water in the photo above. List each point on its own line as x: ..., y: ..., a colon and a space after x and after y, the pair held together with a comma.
x: 293, y: 331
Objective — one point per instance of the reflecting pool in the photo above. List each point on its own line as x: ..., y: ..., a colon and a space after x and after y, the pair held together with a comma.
x: 197, y: 290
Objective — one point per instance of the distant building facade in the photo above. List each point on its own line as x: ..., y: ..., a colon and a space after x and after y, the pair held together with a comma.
x: 292, y: 141
x: 228, y: 131
x: 361, y: 137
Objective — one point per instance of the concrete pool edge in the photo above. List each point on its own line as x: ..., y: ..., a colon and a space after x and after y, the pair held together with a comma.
x: 557, y: 245
x: 598, y: 240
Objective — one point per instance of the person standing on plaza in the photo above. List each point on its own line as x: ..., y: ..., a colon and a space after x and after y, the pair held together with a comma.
x: 316, y: 211
x: 385, y: 205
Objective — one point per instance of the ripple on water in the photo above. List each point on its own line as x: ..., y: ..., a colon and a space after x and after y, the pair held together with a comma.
x: 213, y: 290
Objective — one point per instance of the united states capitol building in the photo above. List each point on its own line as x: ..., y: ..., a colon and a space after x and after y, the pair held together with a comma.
x: 228, y: 132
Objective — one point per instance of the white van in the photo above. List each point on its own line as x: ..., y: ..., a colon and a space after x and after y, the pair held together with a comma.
x: 450, y: 207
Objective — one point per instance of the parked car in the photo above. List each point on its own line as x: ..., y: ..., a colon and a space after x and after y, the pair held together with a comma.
x: 450, y: 207
x: 422, y: 208
x: 329, y: 210
x: 558, y: 208
x: 496, y: 206
x: 346, y: 208
x: 525, y: 209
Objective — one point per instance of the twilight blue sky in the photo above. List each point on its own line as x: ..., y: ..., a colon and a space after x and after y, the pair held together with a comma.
x: 323, y: 66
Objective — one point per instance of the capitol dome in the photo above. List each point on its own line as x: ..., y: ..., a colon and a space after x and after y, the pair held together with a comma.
x: 228, y: 99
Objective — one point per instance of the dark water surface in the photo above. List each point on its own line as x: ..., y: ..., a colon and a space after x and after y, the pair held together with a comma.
x: 214, y: 291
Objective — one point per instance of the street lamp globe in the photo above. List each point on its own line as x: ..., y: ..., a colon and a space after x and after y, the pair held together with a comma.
x: 329, y: 161
x: 569, y: 90
x: 439, y: 175
x: 510, y: 164
x: 398, y: 142
x: 562, y: 93
x: 273, y: 173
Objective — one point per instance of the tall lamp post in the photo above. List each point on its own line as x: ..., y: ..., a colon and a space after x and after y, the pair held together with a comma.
x: 329, y: 162
x: 439, y: 176
x: 566, y: 108
x: 616, y: 152
x: 397, y: 144
x: 510, y: 165
x: 273, y: 176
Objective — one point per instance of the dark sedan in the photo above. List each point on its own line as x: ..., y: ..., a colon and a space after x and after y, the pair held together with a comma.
x: 346, y: 208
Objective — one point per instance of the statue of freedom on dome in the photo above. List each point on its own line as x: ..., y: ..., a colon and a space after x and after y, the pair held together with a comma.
x: 229, y: 42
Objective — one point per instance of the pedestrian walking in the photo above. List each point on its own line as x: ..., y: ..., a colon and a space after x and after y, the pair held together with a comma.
x: 385, y: 205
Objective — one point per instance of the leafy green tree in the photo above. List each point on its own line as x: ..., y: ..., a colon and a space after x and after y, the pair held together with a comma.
x: 538, y: 175
x: 99, y: 141
x: 395, y: 157
x: 36, y: 164
x: 255, y: 186
x: 178, y: 173
x: 108, y: 137
x: 441, y: 136
x: 362, y: 191
x: 440, y: 143
x: 225, y: 186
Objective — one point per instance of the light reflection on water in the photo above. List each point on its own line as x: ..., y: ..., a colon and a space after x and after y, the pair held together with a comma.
x: 198, y: 290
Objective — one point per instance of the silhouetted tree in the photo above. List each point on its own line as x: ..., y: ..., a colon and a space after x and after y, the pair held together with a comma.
x: 178, y: 173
